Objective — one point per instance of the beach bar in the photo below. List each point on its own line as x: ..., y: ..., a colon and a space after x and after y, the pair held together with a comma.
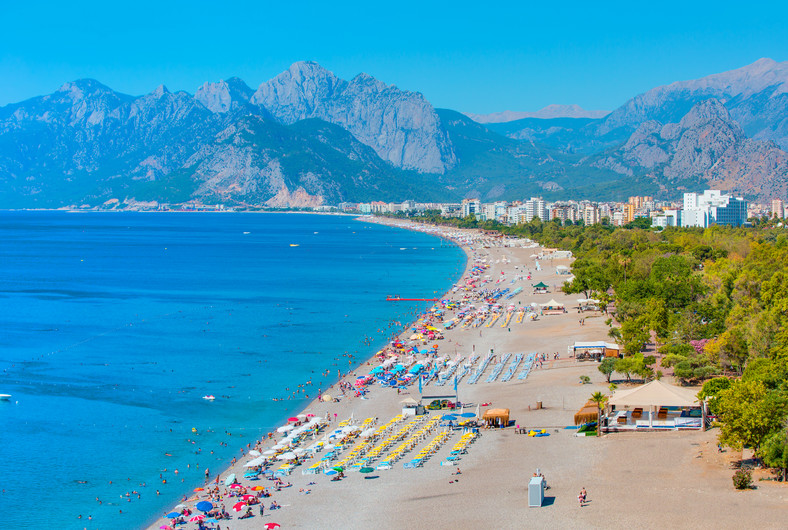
x: 593, y: 350
x: 541, y: 288
x: 654, y: 406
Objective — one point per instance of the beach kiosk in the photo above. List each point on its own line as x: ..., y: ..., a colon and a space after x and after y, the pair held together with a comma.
x: 536, y: 492
x: 496, y: 417
x: 553, y: 308
x: 411, y: 407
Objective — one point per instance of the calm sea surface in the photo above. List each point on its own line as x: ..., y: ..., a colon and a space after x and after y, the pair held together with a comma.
x: 114, y: 325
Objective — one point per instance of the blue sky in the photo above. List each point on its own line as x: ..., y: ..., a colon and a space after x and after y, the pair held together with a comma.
x: 468, y: 56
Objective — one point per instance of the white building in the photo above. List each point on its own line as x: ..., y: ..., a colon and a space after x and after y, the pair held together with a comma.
x: 471, y: 207
x: 713, y: 207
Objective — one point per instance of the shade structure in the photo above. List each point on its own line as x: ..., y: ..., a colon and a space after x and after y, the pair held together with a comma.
x: 587, y: 414
x: 366, y: 470
x: 254, y: 453
x: 496, y: 416
x: 654, y: 394
x: 229, y: 480
x: 285, y: 428
x: 173, y: 515
x: 327, y: 398
x: 204, y: 506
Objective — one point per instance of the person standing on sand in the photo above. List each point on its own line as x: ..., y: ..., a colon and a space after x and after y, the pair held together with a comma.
x: 582, y: 497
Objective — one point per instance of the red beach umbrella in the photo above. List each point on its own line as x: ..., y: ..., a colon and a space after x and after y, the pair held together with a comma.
x: 197, y: 518
x: 271, y: 526
x: 235, y: 486
x: 247, y: 497
x: 238, y: 506
x: 293, y: 419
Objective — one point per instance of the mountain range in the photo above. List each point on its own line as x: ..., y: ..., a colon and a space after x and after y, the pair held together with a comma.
x: 307, y: 137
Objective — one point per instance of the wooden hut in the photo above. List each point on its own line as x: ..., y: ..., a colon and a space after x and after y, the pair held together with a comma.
x: 589, y: 413
x: 496, y: 417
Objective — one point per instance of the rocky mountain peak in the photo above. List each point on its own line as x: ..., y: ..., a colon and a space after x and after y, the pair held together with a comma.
x: 401, y: 126
x: 219, y: 97
x: 704, y: 112
x: 160, y: 91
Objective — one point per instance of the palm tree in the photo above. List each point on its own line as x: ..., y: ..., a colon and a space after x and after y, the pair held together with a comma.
x: 600, y: 399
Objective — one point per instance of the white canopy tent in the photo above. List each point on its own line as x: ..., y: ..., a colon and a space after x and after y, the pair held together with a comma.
x: 655, y: 395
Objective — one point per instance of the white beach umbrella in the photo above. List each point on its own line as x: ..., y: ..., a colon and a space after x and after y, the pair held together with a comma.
x: 285, y: 428
x: 299, y: 451
x: 301, y: 416
x: 254, y: 452
x: 286, y: 456
x: 269, y: 452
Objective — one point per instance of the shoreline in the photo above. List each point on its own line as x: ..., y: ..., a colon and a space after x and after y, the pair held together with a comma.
x: 676, y: 473
x: 394, y: 223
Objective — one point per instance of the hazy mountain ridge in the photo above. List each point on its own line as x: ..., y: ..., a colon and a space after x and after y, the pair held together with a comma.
x: 547, y: 113
x: 706, y: 143
x: 307, y: 137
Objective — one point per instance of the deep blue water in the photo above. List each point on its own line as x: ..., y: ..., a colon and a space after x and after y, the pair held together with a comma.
x: 113, y: 325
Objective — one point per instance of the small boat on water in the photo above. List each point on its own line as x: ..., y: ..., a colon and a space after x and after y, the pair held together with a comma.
x: 5, y: 397
x: 209, y: 397
x: 294, y: 244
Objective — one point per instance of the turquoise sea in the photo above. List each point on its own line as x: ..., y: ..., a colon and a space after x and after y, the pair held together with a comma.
x: 114, y: 325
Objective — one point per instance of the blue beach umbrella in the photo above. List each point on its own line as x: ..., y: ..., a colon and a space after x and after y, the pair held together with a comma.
x: 449, y: 417
x: 173, y: 515
x: 330, y: 472
x: 467, y: 415
x: 204, y: 506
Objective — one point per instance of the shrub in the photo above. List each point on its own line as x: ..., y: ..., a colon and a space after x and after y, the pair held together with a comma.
x: 585, y: 379
x: 742, y: 479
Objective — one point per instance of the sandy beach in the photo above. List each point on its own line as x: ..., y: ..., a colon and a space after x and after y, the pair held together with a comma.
x: 674, y: 478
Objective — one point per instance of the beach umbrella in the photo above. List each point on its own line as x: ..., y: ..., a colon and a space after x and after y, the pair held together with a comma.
x: 269, y: 452
x: 285, y: 428
x: 310, y: 415
x: 301, y: 416
x: 238, y: 506
x: 271, y: 526
x: 258, y: 488
x: 467, y: 415
x: 173, y: 515
x: 299, y: 451
x: 247, y: 497
x: 229, y: 480
x: 449, y: 417
x: 197, y: 518
x: 198, y: 489
x: 286, y: 456
x: 366, y: 470
x: 235, y: 486
x: 179, y: 507
x: 165, y: 527
x: 330, y: 472
x: 204, y: 506
x: 293, y: 419
x: 338, y: 468
x: 254, y: 452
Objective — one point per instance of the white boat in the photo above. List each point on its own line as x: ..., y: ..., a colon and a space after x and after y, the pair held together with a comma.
x: 209, y: 397
x: 5, y: 397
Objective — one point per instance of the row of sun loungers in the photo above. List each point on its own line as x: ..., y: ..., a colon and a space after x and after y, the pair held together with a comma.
x: 529, y: 362
x: 498, y: 368
x: 479, y: 371
x: 512, y: 368
x: 430, y: 449
x: 411, y: 442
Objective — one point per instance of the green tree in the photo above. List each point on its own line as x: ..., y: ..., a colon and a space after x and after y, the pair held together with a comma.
x: 749, y: 413
x: 774, y: 451
x: 626, y: 366
x: 711, y: 391
x: 607, y: 367
x: 600, y: 400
